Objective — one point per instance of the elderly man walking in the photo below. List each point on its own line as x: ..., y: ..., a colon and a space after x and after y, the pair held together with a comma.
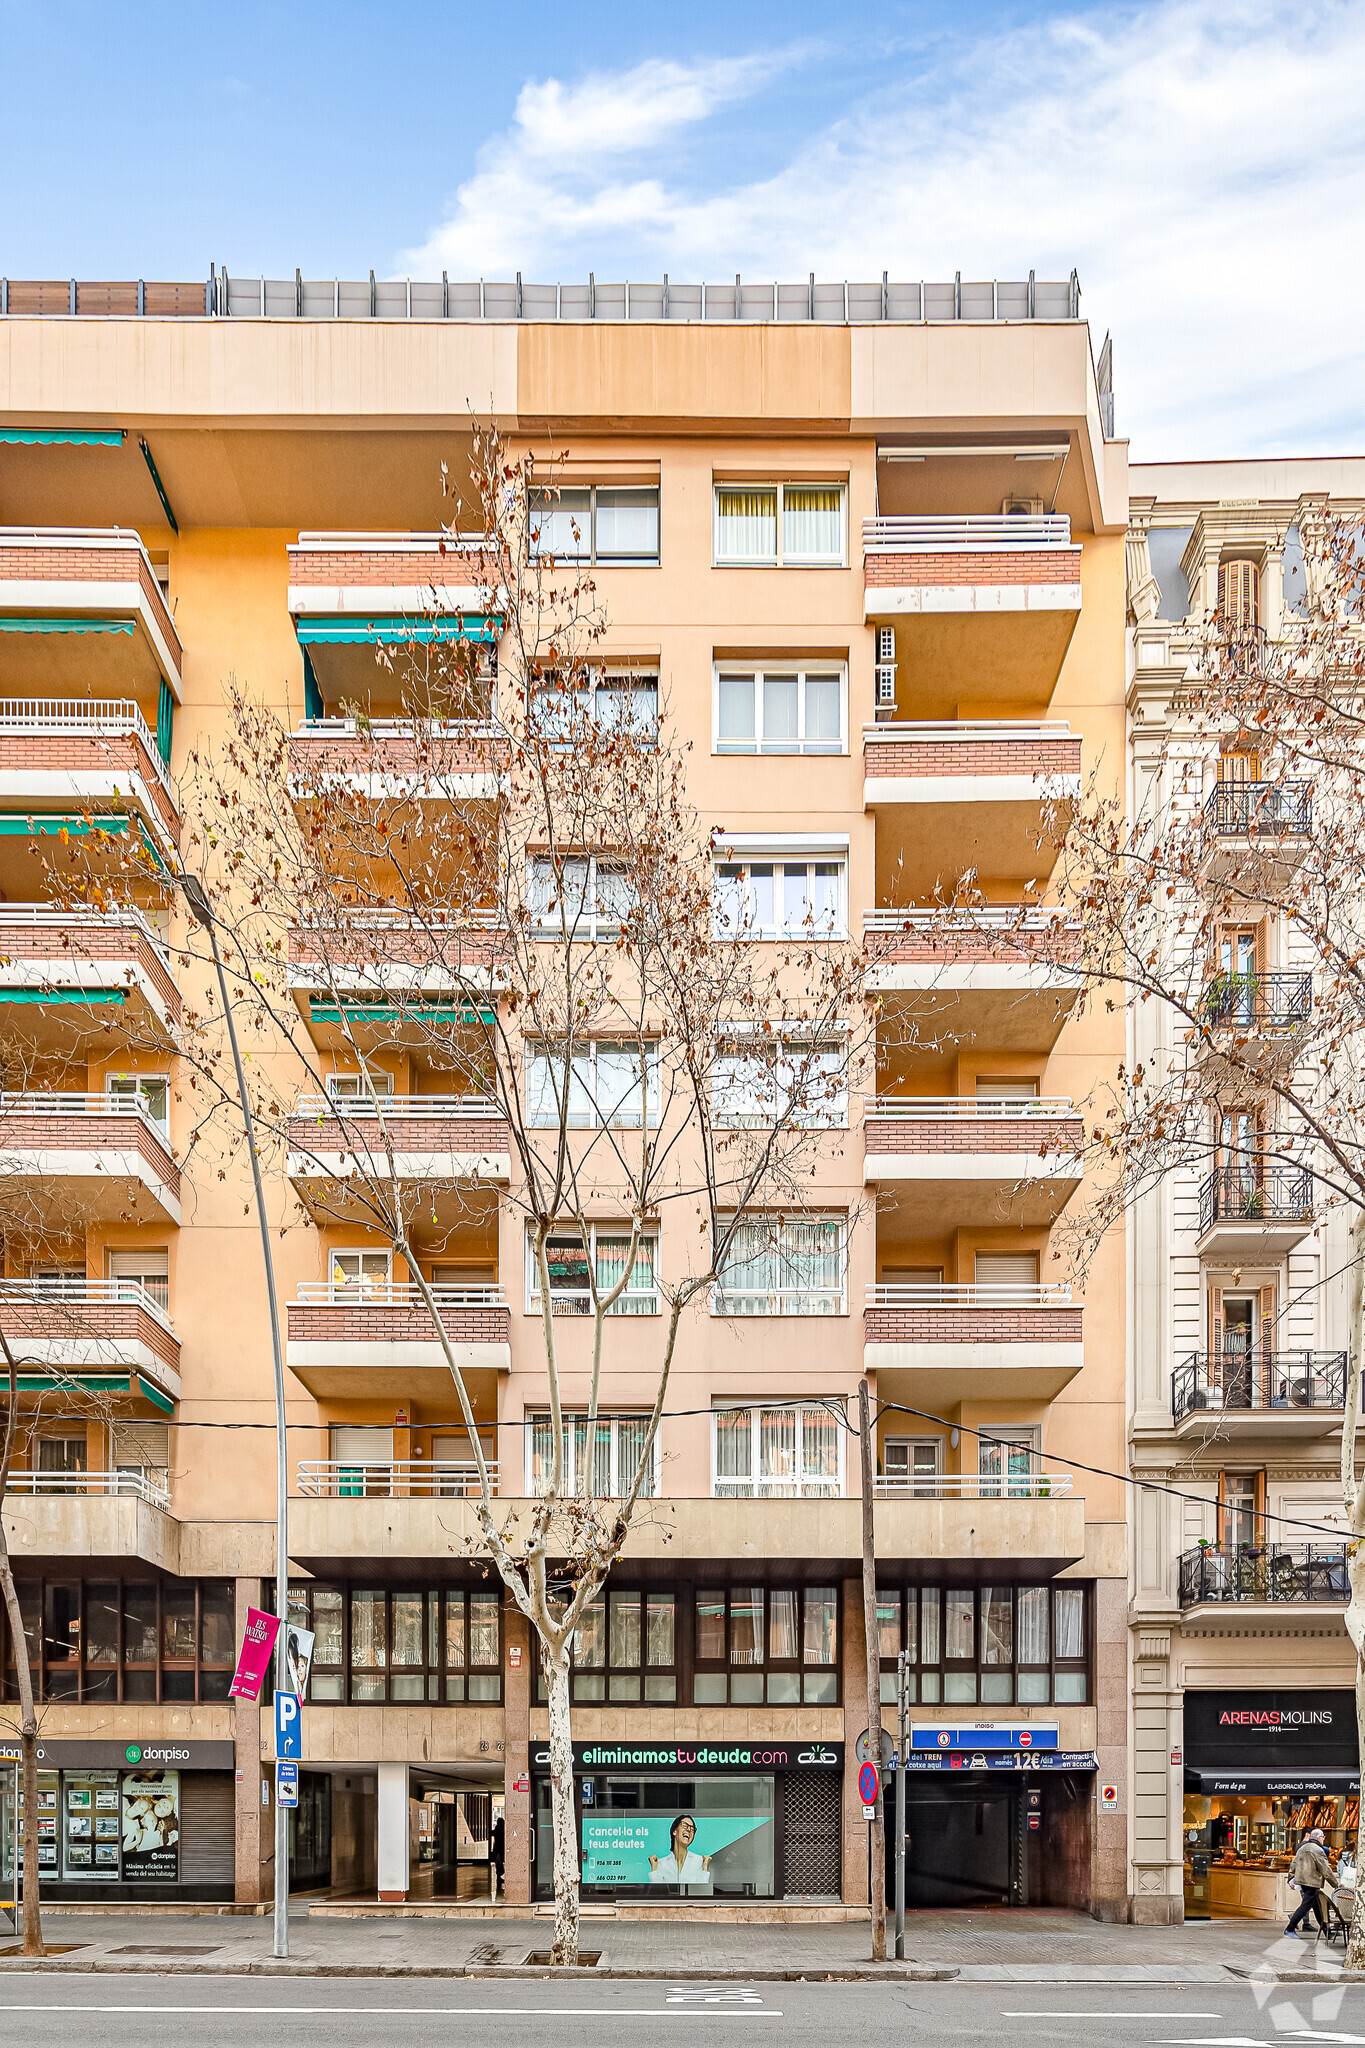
x: 1313, y: 1875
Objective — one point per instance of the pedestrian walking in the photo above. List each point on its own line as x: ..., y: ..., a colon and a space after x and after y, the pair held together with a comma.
x: 497, y: 1849
x: 1313, y: 1875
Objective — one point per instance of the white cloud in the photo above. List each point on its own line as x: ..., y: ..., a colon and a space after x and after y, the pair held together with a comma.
x: 1201, y: 164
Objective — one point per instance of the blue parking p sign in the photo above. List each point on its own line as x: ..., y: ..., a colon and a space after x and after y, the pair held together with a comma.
x: 288, y: 1726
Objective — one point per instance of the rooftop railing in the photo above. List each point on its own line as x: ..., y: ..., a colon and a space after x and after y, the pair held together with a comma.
x: 298, y: 298
x: 965, y: 533
x: 1275, y: 1573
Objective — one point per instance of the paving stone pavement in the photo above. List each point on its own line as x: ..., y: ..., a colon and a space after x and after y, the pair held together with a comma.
x: 1037, y: 1946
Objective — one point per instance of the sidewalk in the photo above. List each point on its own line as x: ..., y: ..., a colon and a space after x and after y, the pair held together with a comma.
x: 1037, y: 1946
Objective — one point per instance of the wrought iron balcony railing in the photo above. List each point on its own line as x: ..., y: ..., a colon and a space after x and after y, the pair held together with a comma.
x: 1274, y: 1002
x: 1275, y: 1573
x: 1232, y: 1381
x: 1256, y: 1190
x: 1247, y: 810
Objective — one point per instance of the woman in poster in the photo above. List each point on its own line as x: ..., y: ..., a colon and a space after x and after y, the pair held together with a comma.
x: 681, y: 1865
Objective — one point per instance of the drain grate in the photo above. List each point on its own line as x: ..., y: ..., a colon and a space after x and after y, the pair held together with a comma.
x: 138, y: 1948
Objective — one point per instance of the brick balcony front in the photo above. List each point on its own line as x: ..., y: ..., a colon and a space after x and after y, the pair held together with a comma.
x: 969, y: 751
x: 450, y: 763
x: 343, y: 1345
x: 121, y: 638
x: 950, y: 1343
x: 93, y: 758
x: 66, y: 967
x: 114, y: 1160
x: 950, y: 1165
x: 95, y: 1330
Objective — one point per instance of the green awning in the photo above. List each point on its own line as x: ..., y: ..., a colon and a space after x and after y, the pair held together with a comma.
x: 134, y: 1384
x: 155, y: 1396
x: 390, y: 632
x: 62, y: 437
x: 63, y: 995
x: 45, y: 824
x: 391, y: 1013
x: 49, y: 625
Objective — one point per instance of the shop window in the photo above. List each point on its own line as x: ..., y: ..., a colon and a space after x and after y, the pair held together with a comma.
x: 987, y: 1645
x: 773, y: 1645
x: 402, y: 1645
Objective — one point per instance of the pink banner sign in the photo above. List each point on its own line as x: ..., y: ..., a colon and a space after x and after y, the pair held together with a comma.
x: 253, y: 1660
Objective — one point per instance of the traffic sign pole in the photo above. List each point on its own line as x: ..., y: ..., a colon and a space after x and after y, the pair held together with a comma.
x: 902, y: 1744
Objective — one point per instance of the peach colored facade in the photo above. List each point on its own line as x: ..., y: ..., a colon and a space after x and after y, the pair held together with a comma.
x: 971, y: 661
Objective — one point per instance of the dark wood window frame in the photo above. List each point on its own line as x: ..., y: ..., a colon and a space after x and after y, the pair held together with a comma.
x: 170, y: 1681
x: 941, y: 1668
x: 435, y: 1680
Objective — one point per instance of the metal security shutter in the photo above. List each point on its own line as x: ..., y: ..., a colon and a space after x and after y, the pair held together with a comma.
x: 812, y: 1856
x: 208, y: 1852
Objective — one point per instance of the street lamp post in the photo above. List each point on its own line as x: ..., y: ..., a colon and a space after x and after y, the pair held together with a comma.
x: 201, y: 909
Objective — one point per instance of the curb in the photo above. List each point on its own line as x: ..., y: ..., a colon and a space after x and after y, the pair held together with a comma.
x: 840, y: 1973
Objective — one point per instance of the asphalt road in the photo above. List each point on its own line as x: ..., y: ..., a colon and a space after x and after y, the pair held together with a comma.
x: 36, y: 2010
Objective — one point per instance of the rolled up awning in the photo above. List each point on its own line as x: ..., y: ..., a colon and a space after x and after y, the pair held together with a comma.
x: 394, y: 632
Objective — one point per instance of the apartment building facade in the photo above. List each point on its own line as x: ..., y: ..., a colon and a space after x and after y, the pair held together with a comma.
x: 869, y: 552
x: 1244, y: 1718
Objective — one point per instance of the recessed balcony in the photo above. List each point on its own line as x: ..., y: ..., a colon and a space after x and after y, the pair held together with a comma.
x: 953, y: 1162
x: 80, y: 766
x: 1003, y: 975
x: 951, y: 1343
x: 967, y: 794
x: 393, y: 1479
x: 1271, y: 1575
x: 1256, y: 828
x: 395, y: 760
x: 1255, y: 1208
x: 106, y: 1153
x: 392, y: 976
x: 65, y: 974
x: 111, y: 1337
x: 984, y: 605
x: 352, y: 595
x: 81, y: 612
x: 348, y: 1342
x: 1259, y: 1394
x: 441, y: 1143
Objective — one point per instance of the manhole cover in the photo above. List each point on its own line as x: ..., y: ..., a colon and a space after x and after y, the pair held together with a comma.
x: 588, y: 1958
x: 162, y: 1949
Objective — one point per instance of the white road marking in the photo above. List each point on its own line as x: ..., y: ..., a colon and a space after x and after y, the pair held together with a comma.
x: 1032, y: 2015
x: 444, y: 2012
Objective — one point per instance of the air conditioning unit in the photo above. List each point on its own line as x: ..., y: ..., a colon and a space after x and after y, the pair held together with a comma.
x: 886, y: 645
x: 1021, y: 508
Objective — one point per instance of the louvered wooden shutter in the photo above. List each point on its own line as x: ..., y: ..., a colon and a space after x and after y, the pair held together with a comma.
x: 1262, y: 949
x: 1240, y: 593
x: 1216, y: 1321
x: 1268, y: 1320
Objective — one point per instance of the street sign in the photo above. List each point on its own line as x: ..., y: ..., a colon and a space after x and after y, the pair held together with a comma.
x: 288, y: 1726
x: 869, y: 1784
x: 862, y: 1749
x: 1109, y: 1797
x: 286, y: 1784
x: 869, y: 1813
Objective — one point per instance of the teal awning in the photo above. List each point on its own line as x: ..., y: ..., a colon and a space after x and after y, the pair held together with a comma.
x: 391, y: 632
x: 391, y: 1013
x: 46, y: 824
x: 49, y: 625
x: 63, y: 995
x: 155, y: 1396
x: 62, y: 437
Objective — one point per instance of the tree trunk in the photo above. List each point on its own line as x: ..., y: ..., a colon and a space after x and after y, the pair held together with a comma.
x: 1355, y: 1557
x: 565, y: 1948
x: 28, y: 1737
x: 874, y: 1679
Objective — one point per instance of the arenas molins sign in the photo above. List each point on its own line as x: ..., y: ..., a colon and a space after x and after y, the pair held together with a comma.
x: 1272, y: 1741
x: 701, y: 1756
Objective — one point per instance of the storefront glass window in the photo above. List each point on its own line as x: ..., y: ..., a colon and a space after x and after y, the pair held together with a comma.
x: 995, y: 1646
x: 368, y: 1646
x: 139, y: 1642
x: 697, y: 1838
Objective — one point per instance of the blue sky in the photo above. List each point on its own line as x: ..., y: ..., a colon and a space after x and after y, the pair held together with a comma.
x: 1202, y: 165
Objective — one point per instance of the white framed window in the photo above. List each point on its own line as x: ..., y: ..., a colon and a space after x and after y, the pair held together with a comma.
x: 617, y: 1446
x: 791, y: 525
x: 608, y: 1248
x: 794, y: 897
x: 152, y: 1090
x: 1009, y: 1462
x: 590, y: 901
x: 608, y: 1085
x: 793, y: 1450
x: 784, y: 1266
x: 761, y: 1079
x: 365, y: 1274
x: 613, y: 699
x: 149, y: 1270
x: 613, y: 526
x: 356, y: 1090
x: 794, y: 710
x: 912, y: 1464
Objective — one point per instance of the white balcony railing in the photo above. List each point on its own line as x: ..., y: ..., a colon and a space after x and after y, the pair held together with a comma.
x: 972, y: 1485
x: 1027, y: 1294
x: 993, y: 917
x: 390, y: 543
x: 395, y: 728
x: 417, y: 1478
x: 967, y: 533
x: 937, y: 731
x: 75, y: 1292
x: 88, y: 718
x: 395, y: 1294
x: 135, y: 1482
x: 399, y: 1108
x: 76, y: 1103
x: 30, y: 917
x: 965, y: 1108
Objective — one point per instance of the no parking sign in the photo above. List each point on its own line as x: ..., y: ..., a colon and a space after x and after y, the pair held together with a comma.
x: 869, y: 1784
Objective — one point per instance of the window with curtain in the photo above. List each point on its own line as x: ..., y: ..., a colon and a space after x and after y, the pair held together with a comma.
x: 606, y: 1085
x: 588, y: 898
x: 793, y: 1451
x: 794, y: 899
x: 989, y: 1645
x: 617, y: 1446
x: 625, y: 1651
x: 570, y: 1288
x: 614, y: 526
x: 779, y: 711
x: 773, y: 1645
x: 783, y: 1266
x: 791, y: 524
x: 765, y: 1078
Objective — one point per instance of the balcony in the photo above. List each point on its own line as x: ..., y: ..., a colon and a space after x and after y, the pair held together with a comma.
x: 353, y: 594
x: 393, y: 1479
x: 104, y: 1152
x: 345, y: 1344
x: 1266, y: 824
x: 954, y: 1343
x: 966, y: 794
x: 132, y: 1484
x: 78, y: 765
x: 1265, y: 1394
x: 1005, y: 977
x: 1257, y: 1207
x: 1270, y: 1575
x: 110, y: 1336
x: 66, y: 973
x: 972, y: 1486
x: 440, y: 1142
x: 972, y: 596
x: 396, y: 759
x: 1258, y: 1002
x: 394, y: 977
x: 955, y: 1162
x: 81, y: 610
